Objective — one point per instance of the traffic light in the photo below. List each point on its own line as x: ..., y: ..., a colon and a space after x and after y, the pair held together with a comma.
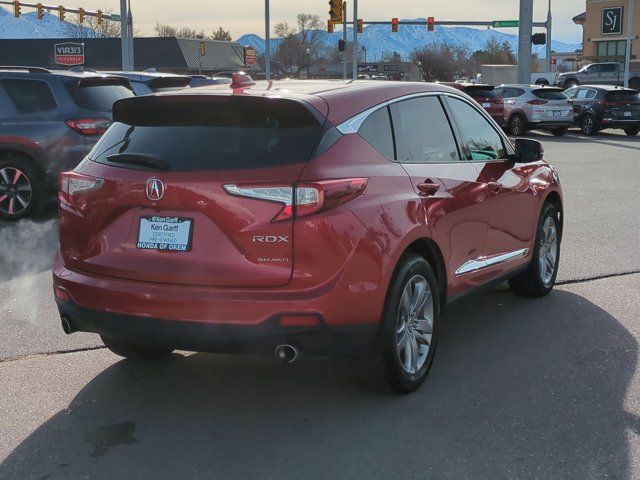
x: 40, y: 11
x: 16, y: 8
x: 330, y: 26
x: 341, y: 45
x: 99, y: 17
x: 81, y: 15
x: 359, y: 25
x: 335, y: 11
x: 394, y: 25
x: 539, y: 38
x: 61, y: 13
x: 431, y: 24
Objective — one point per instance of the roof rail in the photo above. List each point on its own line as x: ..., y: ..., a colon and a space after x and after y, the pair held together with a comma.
x: 82, y: 69
x: 28, y: 69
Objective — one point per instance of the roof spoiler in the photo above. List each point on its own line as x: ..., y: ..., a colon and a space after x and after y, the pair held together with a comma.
x: 169, y: 82
x: 28, y: 69
x: 102, y: 80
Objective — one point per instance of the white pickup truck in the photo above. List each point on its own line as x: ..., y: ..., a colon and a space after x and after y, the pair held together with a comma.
x: 607, y: 73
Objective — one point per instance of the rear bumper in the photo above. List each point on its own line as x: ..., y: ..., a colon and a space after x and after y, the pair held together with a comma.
x: 545, y: 124
x: 618, y: 123
x: 320, y: 340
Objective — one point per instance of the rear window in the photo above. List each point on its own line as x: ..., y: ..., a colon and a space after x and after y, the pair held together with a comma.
x: 482, y: 92
x: 204, y: 133
x: 550, y: 94
x: 97, y: 97
x: 29, y: 96
x: 626, y: 96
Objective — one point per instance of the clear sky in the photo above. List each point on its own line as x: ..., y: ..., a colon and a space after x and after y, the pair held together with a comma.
x: 247, y: 16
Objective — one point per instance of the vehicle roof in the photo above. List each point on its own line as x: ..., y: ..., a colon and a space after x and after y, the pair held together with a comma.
x: 43, y: 72
x: 530, y: 87
x: 338, y: 99
x: 607, y: 88
x: 144, y: 76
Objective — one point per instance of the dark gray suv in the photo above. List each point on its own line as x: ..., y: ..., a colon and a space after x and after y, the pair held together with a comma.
x: 49, y: 121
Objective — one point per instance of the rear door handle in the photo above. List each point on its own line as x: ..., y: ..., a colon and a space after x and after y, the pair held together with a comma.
x: 428, y: 188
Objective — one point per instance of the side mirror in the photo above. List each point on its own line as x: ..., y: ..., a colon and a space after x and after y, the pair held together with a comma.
x: 528, y: 151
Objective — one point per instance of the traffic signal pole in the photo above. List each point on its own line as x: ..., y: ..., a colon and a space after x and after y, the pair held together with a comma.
x: 627, y: 57
x: 267, y: 42
x: 124, y: 29
x: 344, y: 38
x: 355, y: 40
x: 524, y: 41
x: 549, y: 17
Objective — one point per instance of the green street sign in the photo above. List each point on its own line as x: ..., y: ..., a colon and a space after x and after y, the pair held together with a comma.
x: 115, y: 18
x: 505, y: 23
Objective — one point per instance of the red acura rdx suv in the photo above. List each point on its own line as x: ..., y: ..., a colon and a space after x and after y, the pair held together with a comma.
x: 301, y: 218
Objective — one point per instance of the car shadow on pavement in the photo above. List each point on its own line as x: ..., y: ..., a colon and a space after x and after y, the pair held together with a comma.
x: 603, y: 138
x: 520, y: 389
x: 28, y: 245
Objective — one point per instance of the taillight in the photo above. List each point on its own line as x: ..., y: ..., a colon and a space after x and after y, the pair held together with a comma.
x: 537, y: 102
x: 71, y: 184
x: 303, y: 199
x: 89, y: 126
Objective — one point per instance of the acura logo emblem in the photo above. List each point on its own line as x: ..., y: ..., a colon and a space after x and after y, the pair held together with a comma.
x: 155, y: 189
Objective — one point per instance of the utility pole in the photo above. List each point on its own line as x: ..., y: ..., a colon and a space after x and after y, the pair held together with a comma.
x: 132, y: 63
x: 355, y: 40
x: 524, y: 42
x: 124, y: 28
x: 549, y: 18
x: 267, y: 42
x: 627, y: 57
x: 344, y: 38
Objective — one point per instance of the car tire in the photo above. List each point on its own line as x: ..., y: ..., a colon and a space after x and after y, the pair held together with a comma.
x: 588, y: 124
x: 560, y: 131
x: 632, y: 132
x: 570, y: 84
x: 517, y: 125
x: 540, y: 277
x: 21, y: 188
x: 406, y: 342
x: 135, y: 352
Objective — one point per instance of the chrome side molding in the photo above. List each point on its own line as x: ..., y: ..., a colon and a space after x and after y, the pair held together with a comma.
x: 486, y: 262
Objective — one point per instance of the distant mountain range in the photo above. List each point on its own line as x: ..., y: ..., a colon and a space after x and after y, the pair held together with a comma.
x: 379, y: 40
x: 27, y: 25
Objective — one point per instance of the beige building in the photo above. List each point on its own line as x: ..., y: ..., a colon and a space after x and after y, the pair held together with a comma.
x: 605, y: 31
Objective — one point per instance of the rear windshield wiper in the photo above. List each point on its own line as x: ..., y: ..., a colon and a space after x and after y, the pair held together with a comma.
x: 140, y: 159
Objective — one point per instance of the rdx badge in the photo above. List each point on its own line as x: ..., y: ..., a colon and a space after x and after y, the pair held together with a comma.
x: 270, y: 239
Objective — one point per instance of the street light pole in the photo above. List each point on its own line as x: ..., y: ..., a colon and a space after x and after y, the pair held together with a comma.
x: 355, y: 40
x: 267, y: 41
x: 524, y: 41
x: 549, y: 46
x: 627, y: 57
x: 124, y: 28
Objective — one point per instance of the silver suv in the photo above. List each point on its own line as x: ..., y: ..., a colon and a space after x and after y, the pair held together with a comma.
x: 535, y: 107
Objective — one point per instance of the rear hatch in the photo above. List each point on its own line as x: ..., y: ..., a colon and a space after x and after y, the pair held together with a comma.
x: 192, y: 190
x: 623, y: 104
x: 487, y: 96
x: 553, y: 103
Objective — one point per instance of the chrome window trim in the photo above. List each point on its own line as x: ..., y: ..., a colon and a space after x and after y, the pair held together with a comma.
x: 486, y: 262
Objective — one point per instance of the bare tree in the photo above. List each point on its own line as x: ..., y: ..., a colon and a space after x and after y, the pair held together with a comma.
x: 163, y: 30
x: 295, y: 41
x: 91, y: 29
x: 221, y: 34
x: 442, y: 62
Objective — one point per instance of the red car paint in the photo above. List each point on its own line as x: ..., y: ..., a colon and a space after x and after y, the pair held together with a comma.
x: 334, y: 265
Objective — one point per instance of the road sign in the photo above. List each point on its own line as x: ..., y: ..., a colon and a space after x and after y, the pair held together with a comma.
x: 505, y: 23
x: 250, y: 55
x: 115, y: 18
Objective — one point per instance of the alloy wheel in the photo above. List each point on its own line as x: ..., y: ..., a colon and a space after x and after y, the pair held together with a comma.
x: 15, y: 191
x: 414, y: 327
x: 548, y: 253
x: 517, y: 125
x: 587, y: 124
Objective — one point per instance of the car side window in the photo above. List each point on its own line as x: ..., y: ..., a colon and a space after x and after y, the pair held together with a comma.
x: 582, y: 94
x: 29, y: 96
x: 503, y: 92
x: 377, y: 131
x: 571, y: 93
x: 594, y: 69
x: 608, y: 68
x: 480, y: 139
x: 591, y: 94
x: 423, y: 132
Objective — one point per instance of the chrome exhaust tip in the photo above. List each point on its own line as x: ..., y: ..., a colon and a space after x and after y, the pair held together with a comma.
x: 67, y: 325
x: 287, y: 353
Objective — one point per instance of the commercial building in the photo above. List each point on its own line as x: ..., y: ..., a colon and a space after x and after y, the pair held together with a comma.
x: 605, y: 31
x: 395, y: 70
x: 173, y: 55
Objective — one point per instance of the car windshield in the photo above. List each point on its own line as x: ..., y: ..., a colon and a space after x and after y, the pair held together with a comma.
x: 223, y: 133
x: 628, y: 96
x: 550, y: 94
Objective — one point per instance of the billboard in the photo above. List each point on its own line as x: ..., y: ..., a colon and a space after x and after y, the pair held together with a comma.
x: 69, y: 54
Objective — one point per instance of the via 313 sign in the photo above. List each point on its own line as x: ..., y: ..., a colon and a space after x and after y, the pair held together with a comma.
x: 69, y: 54
x: 612, y: 20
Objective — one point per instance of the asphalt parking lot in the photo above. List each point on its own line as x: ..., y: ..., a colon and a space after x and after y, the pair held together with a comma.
x: 520, y: 388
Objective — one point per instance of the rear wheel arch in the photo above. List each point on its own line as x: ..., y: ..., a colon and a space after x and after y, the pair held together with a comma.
x: 10, y: 153
x: 429, y: 250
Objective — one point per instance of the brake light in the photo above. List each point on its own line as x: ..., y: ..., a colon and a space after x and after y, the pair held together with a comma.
x: 537, y: 102
x: 609, y: 104
x: 303, y: 199
x: 71, y: 184
x: 89, y: 126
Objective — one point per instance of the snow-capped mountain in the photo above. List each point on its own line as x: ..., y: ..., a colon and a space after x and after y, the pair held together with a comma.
x: 379, y: 39
x: 28, y: 26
